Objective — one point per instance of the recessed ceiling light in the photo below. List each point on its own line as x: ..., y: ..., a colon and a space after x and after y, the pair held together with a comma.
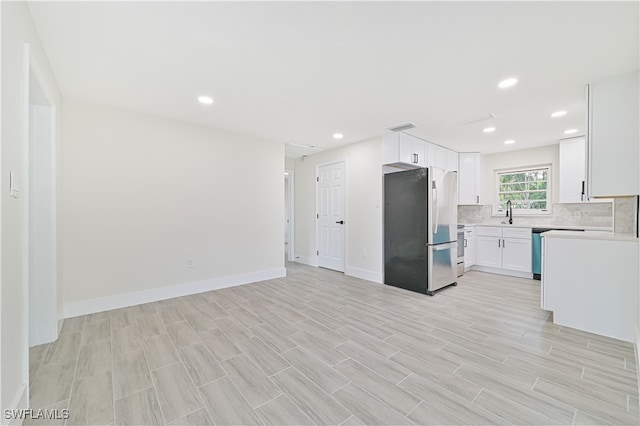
x: 338, y: 135
x: 488, y: 129
x: 507, y: 83
x: 570, y: 131
x: 558, y: 114
x: 205, y: 100
x: 509, y: 141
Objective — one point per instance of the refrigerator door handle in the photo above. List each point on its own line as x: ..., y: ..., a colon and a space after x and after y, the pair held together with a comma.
x: 435, y: 207
x: 439, y: 247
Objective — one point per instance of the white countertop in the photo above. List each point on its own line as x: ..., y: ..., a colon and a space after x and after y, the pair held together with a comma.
x: 517, y: 225
x: 590, y: 235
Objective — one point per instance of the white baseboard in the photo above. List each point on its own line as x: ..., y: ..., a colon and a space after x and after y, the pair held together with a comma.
x: 499, y: 271
x: 311, y: 261
x: 376, y: 277
x: 107, y: 303
x: 20, y: 401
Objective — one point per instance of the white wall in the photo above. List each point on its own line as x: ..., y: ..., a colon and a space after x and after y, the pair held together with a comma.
x: 516, y: 159
x: 289, y: 163
x: 363, y: 223
x: 141, y: 195
x: 17, y: 28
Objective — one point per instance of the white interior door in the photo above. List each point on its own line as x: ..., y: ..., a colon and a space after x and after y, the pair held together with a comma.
x: 330, y: 218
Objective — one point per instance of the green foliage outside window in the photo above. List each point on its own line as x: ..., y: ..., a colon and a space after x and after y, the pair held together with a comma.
x: 527, y: 189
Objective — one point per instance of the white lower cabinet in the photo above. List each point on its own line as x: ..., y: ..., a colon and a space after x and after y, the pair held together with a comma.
x: 591, y: 282
x: 469, y: 247
x: 488, y: 253
x: 516, y: 254
x: 503, y: 250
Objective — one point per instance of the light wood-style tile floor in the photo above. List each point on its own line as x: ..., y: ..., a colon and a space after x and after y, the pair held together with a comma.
x: 317, y: 347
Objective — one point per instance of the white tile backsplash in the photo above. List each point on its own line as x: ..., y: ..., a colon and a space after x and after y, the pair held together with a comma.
x: 592, y: 215
x: 624, y: 215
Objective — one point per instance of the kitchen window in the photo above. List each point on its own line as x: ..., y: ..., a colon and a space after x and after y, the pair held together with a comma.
x: 527, y: 189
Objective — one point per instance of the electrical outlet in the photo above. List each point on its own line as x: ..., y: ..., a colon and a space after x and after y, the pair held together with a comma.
x: 190, y: 263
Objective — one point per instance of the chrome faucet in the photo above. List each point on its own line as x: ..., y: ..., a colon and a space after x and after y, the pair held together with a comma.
x: 510, y: 212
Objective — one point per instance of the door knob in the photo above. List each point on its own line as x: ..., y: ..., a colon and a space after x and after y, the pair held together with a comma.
x: 341, y: 222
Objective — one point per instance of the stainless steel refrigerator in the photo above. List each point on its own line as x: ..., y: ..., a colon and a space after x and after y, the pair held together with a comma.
x: 420, y: 229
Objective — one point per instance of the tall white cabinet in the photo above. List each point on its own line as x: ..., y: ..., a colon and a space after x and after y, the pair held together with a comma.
x: 613, y: 135
x: 572, y: 170
x: 469, y: 178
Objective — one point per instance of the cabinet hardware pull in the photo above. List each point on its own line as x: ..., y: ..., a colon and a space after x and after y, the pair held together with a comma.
x: 465, y: 242
x: 498, y: 242
x: 415, y: 158
x: 503, y: 245
x: 477, y: 199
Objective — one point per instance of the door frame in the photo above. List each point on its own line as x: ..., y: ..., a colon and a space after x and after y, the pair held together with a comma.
x: 345, y: 196
x: 291, y: 177
x: 32, y: 69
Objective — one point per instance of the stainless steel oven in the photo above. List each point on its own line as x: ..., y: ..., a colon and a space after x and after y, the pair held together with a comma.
x: 461, y: 245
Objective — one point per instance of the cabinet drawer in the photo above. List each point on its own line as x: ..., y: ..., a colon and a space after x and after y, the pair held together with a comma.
x: 516, y: 233
x: 489, y: 231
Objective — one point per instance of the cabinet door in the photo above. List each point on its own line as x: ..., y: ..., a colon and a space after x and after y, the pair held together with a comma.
x: 405, y: 150
x: 489, y: 251
x: 572, y: 170
x: 470, y: 247
x: 468, y: 178
x: 420, y: 149
x: 431, y: 155
x: 613, y: 141
x: 441, y: 158
x: 452, y: 161
x: 516, y: 254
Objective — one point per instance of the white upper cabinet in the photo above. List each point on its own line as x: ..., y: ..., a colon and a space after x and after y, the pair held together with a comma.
x: 441, y: 158
x: 403, y: 151
x: 572, y: 170
x: 452, y: 160
x: 469, y: 178
x: 613, y: 136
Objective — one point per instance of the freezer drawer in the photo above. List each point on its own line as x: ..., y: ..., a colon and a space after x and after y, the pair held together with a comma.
x: 443, y: 262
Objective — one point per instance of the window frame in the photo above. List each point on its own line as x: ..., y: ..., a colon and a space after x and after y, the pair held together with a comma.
x: 522, y: 212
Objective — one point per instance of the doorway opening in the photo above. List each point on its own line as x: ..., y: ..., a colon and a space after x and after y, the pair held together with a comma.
x: 289, y: 254
x: 39, y: 207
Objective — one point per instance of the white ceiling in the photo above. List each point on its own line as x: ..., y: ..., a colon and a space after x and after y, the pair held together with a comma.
x: 297, y: 72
